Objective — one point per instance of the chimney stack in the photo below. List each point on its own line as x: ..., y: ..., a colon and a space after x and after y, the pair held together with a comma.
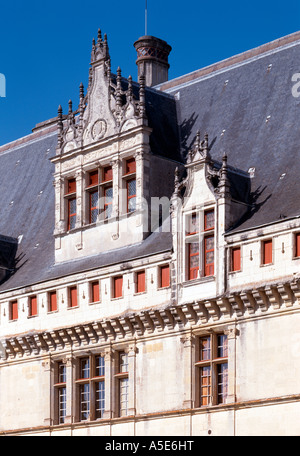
x: 152, y: 59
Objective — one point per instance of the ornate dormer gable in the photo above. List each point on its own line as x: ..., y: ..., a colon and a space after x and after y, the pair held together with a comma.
x: 108, y: 108
x: 204, y: 205
x: 101, y: 163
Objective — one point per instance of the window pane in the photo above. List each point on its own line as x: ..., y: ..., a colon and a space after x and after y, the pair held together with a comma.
x: 205, y: 348
x: 209, y: 220
x: 84, y: 401
x: 205, y: 385
x: 84, y: 368
x: 193, y: 223
x: 123, y: 362
x: 123, y: 396
x: 222, y: 382
x: 100, y: 399
x: 62, y: 404
x: 62, y: 373
x: 100, y: 366
x: 222, y: 346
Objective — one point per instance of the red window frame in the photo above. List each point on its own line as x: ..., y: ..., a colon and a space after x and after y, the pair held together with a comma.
x: 107, y: 174
x: 95, y: 292
x: 13, y: 310
x: 208, y: 266
x: 193, y: 271
x: 235, y: 259
x: 140, y: 281
x: 71, y: 195
x: 165, y: 276
x: 93, y: 178
x: 71, y: 186
x: 193, y: 222
x: 52, y: 301
x: 32, y: 306
x: 206, y: 222
x: 118, y: 287
x: 297, y: 245
x: 130, y: 166
x: 73, y: 296
x: 267, y: 251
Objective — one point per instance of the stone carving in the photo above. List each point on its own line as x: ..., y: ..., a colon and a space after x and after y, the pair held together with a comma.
x: 110, y: 106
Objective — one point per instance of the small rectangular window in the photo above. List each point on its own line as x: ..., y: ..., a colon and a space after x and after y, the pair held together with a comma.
x: 267, y: 252
x: 140, y: 282
x: 236, y: 259
x: 61, y: 392
x: 52, y: 301
x: 108, y: 201
x: 93, y: 178
x: 73, y: 296
x: 209, y: 220
x: 193, y: 260
x: 297, y: 245
x: 165, y: 276
x: 71, y: 186
x: 52, y: 305
x: 13, y: 310
x: 95, y: 292
x: 32, y: 306
x: 71, y: 213
x: 118, y: 287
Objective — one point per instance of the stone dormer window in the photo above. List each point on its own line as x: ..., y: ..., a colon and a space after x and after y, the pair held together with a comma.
x: 200, y: 243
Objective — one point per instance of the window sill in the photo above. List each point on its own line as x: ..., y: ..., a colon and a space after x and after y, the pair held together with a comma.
x: 192, y: 282
x: 234, y: 272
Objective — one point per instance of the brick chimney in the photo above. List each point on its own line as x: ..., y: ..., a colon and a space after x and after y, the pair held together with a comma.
x: 152, y: 59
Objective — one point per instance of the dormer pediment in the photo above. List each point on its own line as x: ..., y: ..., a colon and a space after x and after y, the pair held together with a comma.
x: 110, y: 106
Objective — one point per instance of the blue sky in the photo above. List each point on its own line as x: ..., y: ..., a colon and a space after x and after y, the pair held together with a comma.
x: 45, y: 46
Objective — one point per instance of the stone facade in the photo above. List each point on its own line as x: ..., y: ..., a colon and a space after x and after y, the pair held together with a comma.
x: 172, y: 314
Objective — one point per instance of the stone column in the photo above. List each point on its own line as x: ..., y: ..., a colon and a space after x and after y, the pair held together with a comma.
x: 109, y: 399
x: 49, y: 391
x: 188, y: 342
x: 131, y: 351
x: 79, y: 198
x: 231, y: 334
x: 69, y: 390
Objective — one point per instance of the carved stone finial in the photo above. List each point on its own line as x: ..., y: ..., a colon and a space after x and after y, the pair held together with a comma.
x: 224, y: 186
x: 81, y: 91
x: 70, y: 107
x: 142, y: 104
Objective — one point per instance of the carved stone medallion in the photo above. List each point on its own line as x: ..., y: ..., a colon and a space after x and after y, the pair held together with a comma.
x: 99, y: 129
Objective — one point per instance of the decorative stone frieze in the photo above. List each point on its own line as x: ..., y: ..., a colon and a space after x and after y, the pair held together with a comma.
x: 197, y: 314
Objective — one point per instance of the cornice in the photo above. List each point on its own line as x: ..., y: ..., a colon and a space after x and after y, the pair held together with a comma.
x: 226, y: 309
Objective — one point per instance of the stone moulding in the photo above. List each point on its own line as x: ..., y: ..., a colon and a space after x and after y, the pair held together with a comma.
x: 243, y: 303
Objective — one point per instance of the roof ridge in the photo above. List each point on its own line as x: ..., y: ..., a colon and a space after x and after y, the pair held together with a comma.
x: 233, y: 60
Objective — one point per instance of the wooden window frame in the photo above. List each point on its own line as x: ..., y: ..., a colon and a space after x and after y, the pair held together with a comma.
x: 13, y: 310
x: 267, y: 256
x: 94, y: 294
x: 235, y: 264
x: 296, y: 245
x: 122, y: 378
x: 161, y: 283
x: 140, y: 287
x: 200, y: 234
x: 50, y: 303
x: 129, y: 175
x: 92, y: 187
x: 95, y: 376
x: 60, y: 391
x: 114, y: 283
x: 32, y: 306
x: 73, y: 293
x: 211, y: 364
x: 70, y: 196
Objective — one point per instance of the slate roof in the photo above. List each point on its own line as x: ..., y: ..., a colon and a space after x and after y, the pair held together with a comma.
x: 247, y: 108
